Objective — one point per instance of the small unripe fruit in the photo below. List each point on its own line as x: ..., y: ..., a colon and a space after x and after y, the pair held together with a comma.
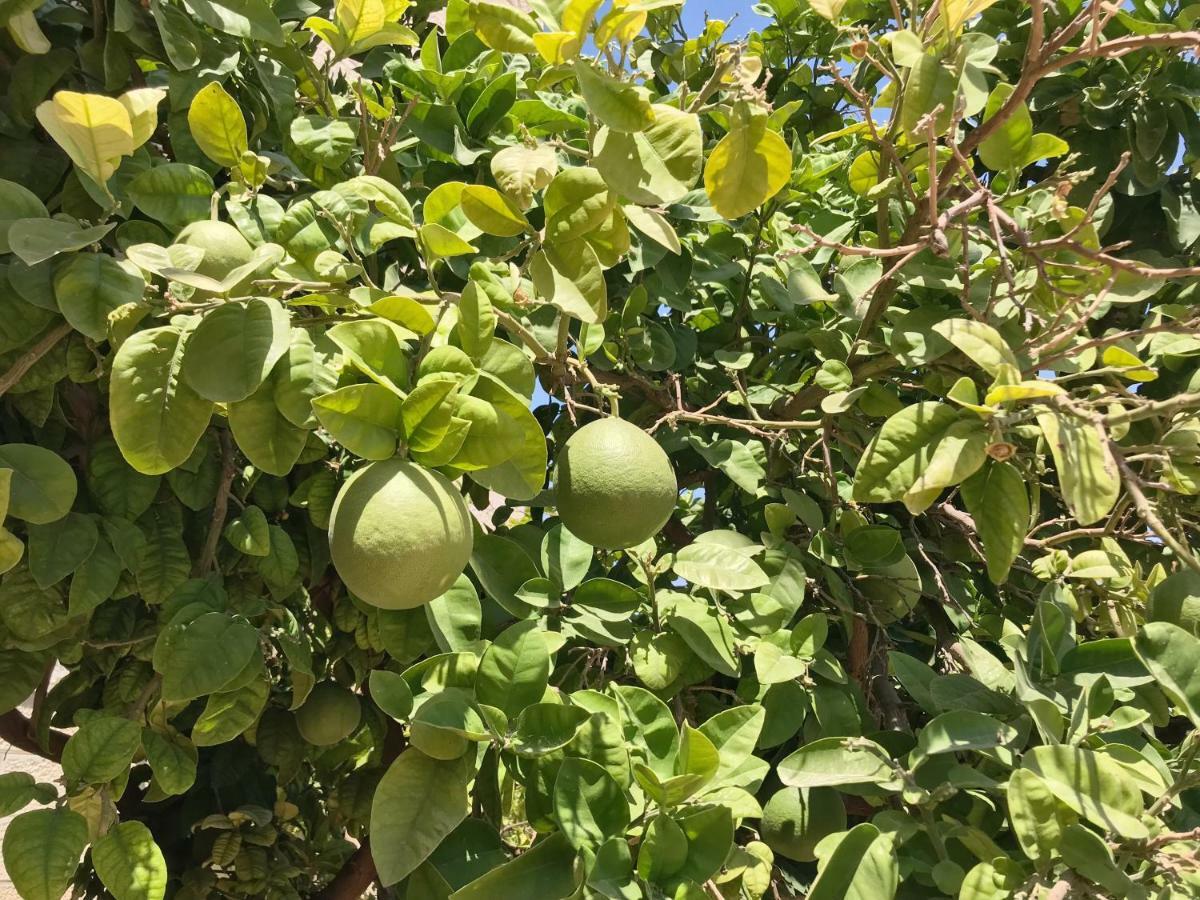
x: 329, y: 715
x: 224, y: 247
x: 615, y: 485
x: 399, y: 534
x: 795, y: 819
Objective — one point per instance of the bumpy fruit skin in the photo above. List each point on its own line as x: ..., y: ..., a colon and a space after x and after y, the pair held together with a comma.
x: 616, y: 487
x: 224, y: 247
x: 400, y: 534
x: 329, y: 715
x: 795, y: 819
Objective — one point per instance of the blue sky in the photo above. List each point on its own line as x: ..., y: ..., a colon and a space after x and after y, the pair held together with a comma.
x: 693, y: 15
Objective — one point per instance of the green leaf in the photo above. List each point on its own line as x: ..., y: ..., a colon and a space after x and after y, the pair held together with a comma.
x: 1008, y: 146
x: 982, y: 343
x: 719, y: 568
x: 619, y: 105
x: 391, y: 693
x: 705, y: 631
x: 172, y: 759
x: 960, y: 730
x: 862, y: 865
x: 17, y: 790
x: 545, y: 727
x: 514, y: 670
x: 20, y: 674
x: 37, y: 240
x: 546, y: 871
x: 924, y: 447
x: 655, y: 166
x: 1038, y: 818
x: 234, y: 348
x: 251, y: 19
x: 363, y: 418
x: 89, y: 286
x: 569, y: 277
x: 57, y: 550
x: 1092, y: 784
x: 1172, y: 656
x: 43, y: 485
x: 263, y: 434
x: 418, y: 802
x: 998, y: 501
x: 828, y: 762
x: 588, y: 803
x: 229, y: 713
x: 1087, y: 471
x: 100, y: 750
x: 130, y: 864
x: 748, y: 167
x: 157, y: 418
x: 42, y: 850
x: 174, y: 194
x: 201, y: 656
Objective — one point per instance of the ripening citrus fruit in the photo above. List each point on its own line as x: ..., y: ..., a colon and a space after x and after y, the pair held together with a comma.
x: 795, y: 819
x: 616, y: 487
x: 224, y: 247
x: 330, y: 714
x: 399, y: 534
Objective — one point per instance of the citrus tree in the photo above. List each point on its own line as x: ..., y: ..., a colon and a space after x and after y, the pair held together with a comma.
x: 533, y: 451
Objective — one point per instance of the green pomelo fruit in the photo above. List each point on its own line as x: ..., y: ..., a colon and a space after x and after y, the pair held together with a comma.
x: 224, y: 247
x: 795, y: 819
x: 616, y: 487
x: 329, y: 715
x: 399, y: 534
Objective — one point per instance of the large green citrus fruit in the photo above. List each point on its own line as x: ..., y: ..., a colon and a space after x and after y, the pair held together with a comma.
x: 616, y: 487
x: 224, y: 247
x: 330, y: 714
x: 795, y: 819
x: 400, y: 534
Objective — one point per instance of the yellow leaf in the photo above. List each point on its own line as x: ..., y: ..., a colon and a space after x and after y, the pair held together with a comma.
x: 955, y: 13
x: 557, y: 47
x: 360, y: 19
x: 142, y: 106
x: 1025, y: 390
x: 491, y: 212
x: 94, y: 130
x: 217, y: 125
x: 1135, y: 369
x: 328, y: 32
x: 441, y: 241
x: 749, y: 166
x: 621, y: 25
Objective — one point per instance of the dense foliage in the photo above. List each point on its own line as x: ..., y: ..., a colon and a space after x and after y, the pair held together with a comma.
x: 908, y: 294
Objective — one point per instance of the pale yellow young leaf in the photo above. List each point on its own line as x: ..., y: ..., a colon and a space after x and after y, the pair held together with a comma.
x: 218, y: 126
x: 828, y: 9
x: 142, y: 106
x: 94, y: 130
x: 27, y: 34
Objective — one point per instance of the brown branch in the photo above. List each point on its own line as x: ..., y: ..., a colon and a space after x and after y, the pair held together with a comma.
x: 1133, y: 485
x: 354, y: 878
x: 27, y: 360
x: 208, y: 556
x: 17, y: 731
